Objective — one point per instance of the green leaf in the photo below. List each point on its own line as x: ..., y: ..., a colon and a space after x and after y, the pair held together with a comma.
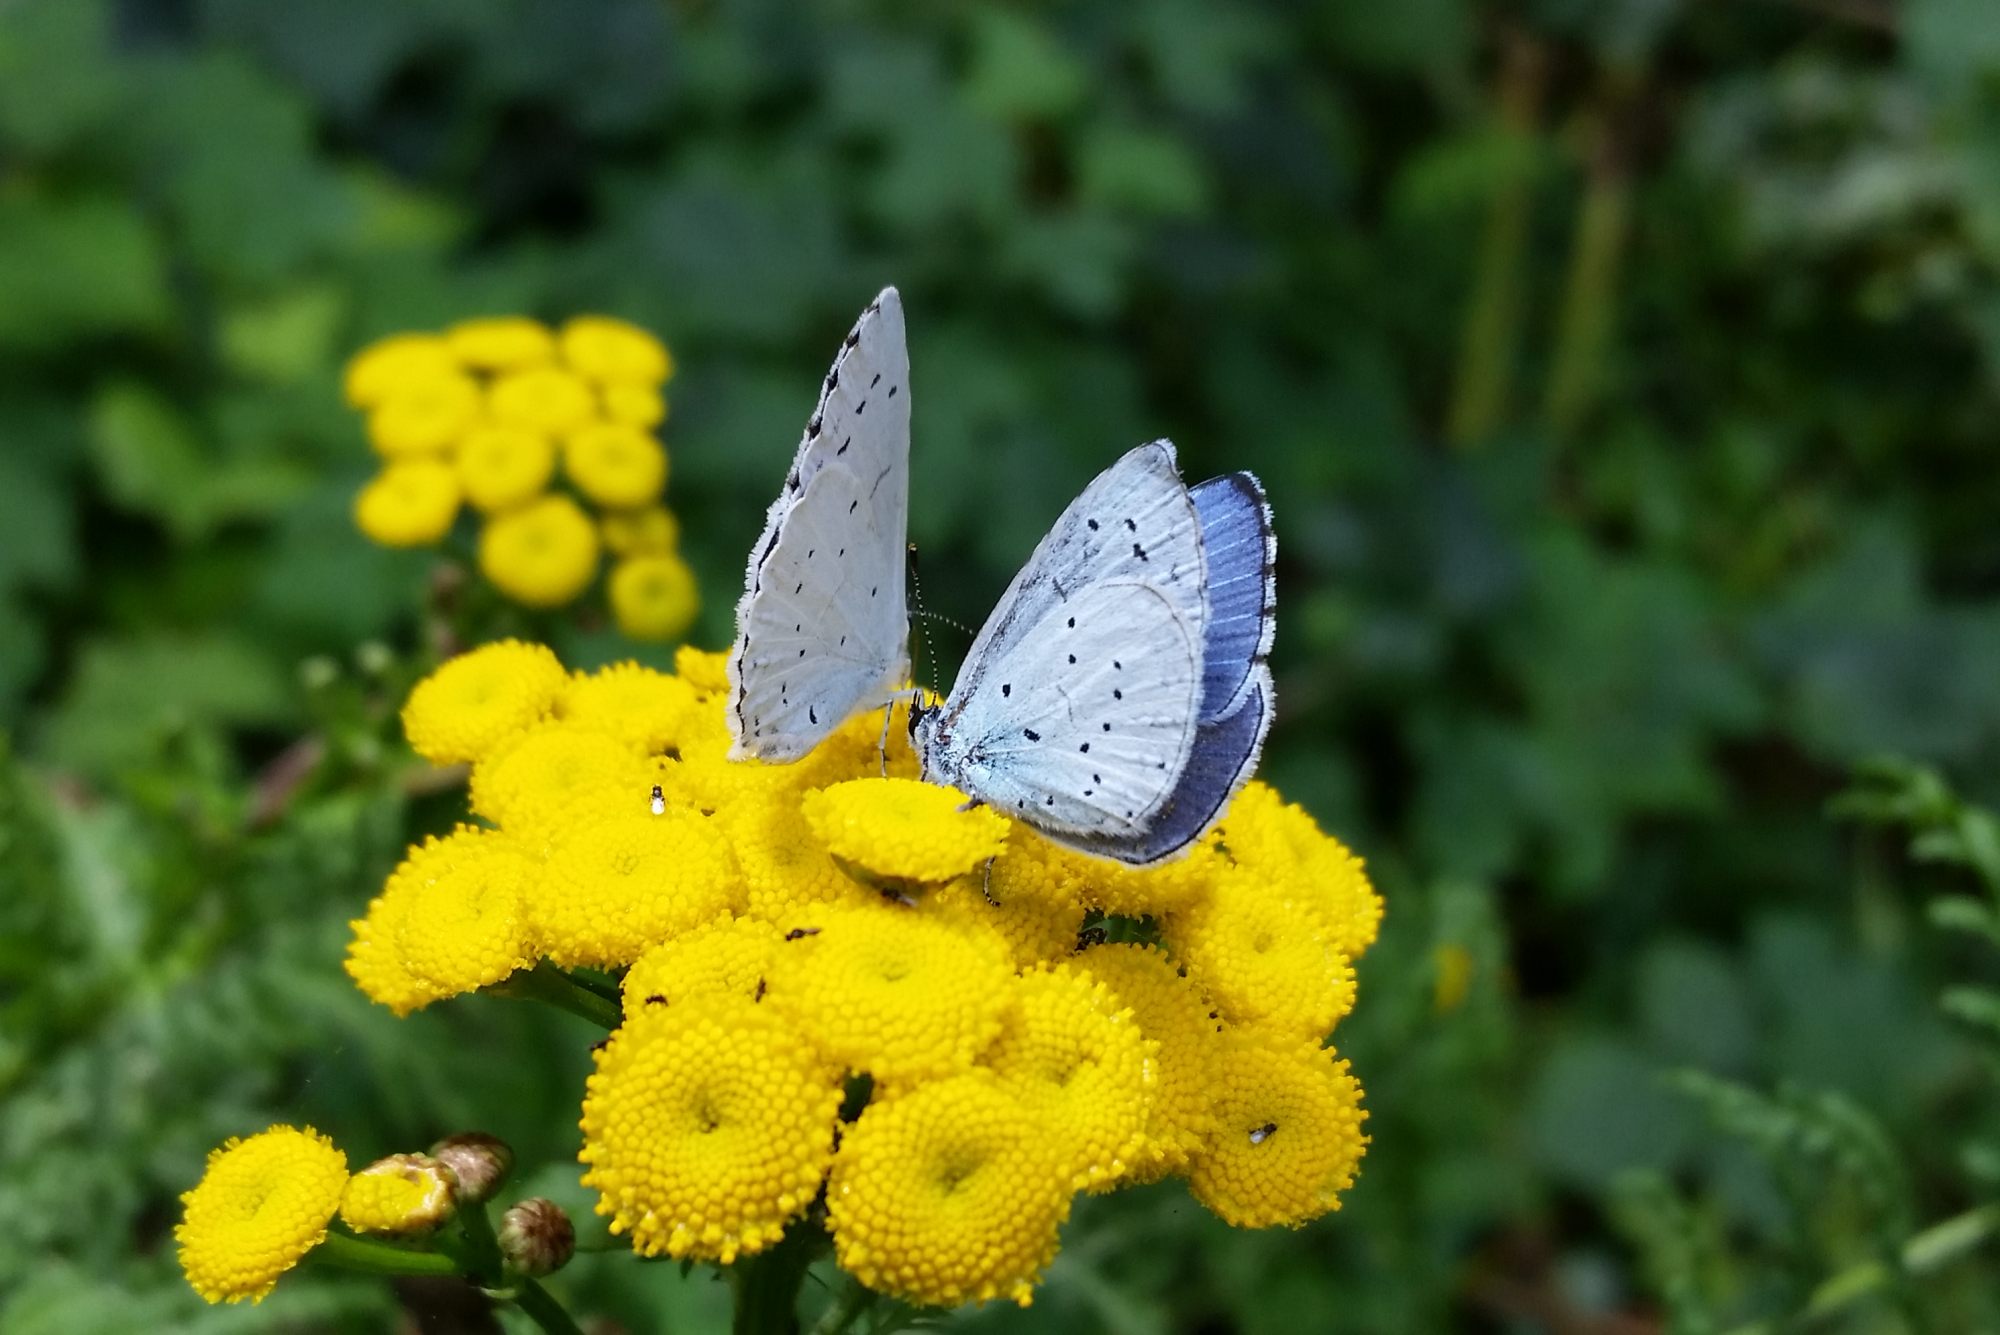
x: 152, y: 459
x: 1019, y: 71
x: 128, y: 698
x: 284, y: 338
x: 77, y: 268
x: 1122, y: 167
x: 1598, y: 1110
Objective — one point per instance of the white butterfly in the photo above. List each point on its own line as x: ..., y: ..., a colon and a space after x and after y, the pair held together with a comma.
x: 1118, y: 696
x: 822, y: 630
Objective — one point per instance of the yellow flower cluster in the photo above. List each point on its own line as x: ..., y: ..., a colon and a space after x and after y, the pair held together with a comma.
x: 482, y: 414
x: 782, y: 930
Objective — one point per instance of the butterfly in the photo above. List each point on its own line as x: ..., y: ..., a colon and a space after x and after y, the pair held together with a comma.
x: 1118, y: 696
x: 822, y: 631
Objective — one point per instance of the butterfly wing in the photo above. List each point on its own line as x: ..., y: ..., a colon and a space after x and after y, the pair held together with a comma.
x: 1077, y: 707
x: 1241, y: 548
x: 822, y: 629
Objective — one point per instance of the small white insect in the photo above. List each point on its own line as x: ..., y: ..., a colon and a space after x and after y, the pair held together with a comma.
x: 822, y: 630
x: 1117, y: 697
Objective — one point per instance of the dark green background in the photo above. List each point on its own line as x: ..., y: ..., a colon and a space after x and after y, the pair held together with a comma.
x: 1625, y: 376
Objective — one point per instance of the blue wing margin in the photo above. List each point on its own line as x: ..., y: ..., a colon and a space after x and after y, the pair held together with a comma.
x: 1241, y: 549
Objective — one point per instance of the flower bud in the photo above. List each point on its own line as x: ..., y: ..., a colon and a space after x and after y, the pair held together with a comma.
x: 402, y: 1194
x: 479, y: 1161
x: 536, y: 1236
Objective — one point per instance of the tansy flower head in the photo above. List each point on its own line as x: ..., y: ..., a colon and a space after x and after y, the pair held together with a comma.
x: 728, y: 957
x: 613, y: 351
x: 424, y: 416
x: 1288, y: 1138
x: 546, y: 778
x: 1136, y: 892
x: 402, y: 1194
x: 1265, y: 955
x: 260, y: 1206
x: 1170, y: 1010
x: 616, y: 884
x: 542, y: 554
x: 615, y: 464
x: 375, y: 956
x: 706, y: 1127
x: 503, y: 466
x: 1072, y: 1053
x: 541, y: 398
x: 390, y: 365
x: 410, y: 504
x: 470, y: 704
x: 903, y: 831
x: 787, y: 872
x: 654, y: 597
x: 636, y: 701
x: 649, y: 531
x: 950, y: 1193
x: 635, y: 405
x: 501, y: 342
x: 1281, y: 842
x: 886, y: 990
x: 1032, y: 928
x: 461, y: 922
x: 705, y: 670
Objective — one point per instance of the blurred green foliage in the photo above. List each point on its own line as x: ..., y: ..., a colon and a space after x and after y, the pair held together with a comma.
x: 1624, y: 376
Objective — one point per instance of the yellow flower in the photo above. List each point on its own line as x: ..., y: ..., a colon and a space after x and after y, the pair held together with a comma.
x: 728, y: 957
x: 635, y: 405
x: 889, y: 991
x: 1032, y: 926
x: 546, y: 778
x: 616, y: 884
x: 260, y: 1206
x: 402, y: 1194
x: 706, y: 671
x: 424, y: 416
x: 542, y: 398
x: 654, y: 597
x: 950, y: 1193
x: 375, y: 956
x: 541, y: 555
x: 474, y: 701
x: 612, y: 350
x: 392, y: 364
x: 1135, y: 892
x: 1170, y: 1010
x: 904, y: 830
x: 1289, y: 1132
x: 1451, y: 980
x: 786, y: 871
x: 1074, y: 1055
x: 706, y: 1127
x: 615, y: 465
x: 1265, y: 955
x: 649, y: 531
x: 633, y: 701
x: 1281, y: 842
x: 408, y: 504
x: 502, y: 466
x: 462, y: 923
x: 501, y: 342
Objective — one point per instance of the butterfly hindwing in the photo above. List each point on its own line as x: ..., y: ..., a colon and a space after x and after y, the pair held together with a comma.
x: 822, y: 628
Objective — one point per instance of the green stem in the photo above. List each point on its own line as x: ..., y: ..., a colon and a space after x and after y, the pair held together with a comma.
x: 1492, y: 333
x: 472, y: 1244
x: 1589, y: 306
x: 767, y: 1285
x: 379, y: 1258
x: 544, y: 1310
x: 1936, y: 1247
x: 547, y: 983
x: 853, y: 1300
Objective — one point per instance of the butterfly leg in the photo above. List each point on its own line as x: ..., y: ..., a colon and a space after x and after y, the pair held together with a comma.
x: 986, y: 884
